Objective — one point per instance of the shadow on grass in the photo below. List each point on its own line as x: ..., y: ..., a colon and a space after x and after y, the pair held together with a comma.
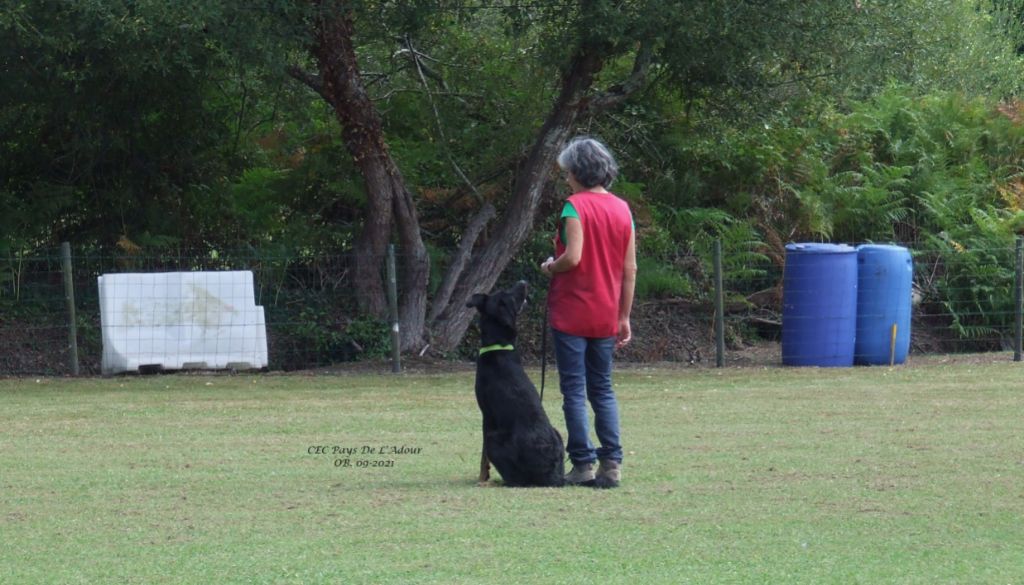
x: 445, y: 484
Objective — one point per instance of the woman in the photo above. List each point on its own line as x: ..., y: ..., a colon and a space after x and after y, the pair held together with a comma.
x: 592, y: 279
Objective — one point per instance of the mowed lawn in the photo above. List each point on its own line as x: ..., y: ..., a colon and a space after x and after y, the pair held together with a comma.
x: 906, y: 475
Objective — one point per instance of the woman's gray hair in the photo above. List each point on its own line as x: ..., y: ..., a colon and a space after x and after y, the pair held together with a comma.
x: 589, y: 161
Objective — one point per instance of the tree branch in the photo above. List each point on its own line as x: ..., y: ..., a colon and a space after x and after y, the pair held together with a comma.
x: 312, y: 80
x: 418, y: 57
x: 619, y: 93
x: 459, y: 260
x: 532, y: 177
x: 458, y: 95
x: 437, y: 118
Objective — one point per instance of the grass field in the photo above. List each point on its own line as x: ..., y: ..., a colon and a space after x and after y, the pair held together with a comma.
x: 912, y: 475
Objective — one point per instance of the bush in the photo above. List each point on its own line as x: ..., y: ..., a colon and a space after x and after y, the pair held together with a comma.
x: 655, y: 280
x: 940, y: 173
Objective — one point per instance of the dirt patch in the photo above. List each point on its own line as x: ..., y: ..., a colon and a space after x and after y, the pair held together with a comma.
x: 33, y: 349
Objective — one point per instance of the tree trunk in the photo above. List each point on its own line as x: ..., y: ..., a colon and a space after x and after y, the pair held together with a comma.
x: 368, y: 253
x: 415, y: 274
x: 388, y: 200
x: 483, y: 271
x: 459, y: 260
x: 389, y: 203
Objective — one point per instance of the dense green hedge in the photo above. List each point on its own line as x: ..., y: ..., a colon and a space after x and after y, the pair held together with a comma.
x: 939, y: 173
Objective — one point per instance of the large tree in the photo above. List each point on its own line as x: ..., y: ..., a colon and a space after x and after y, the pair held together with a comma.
x: 697, y: 46
x: 389, y: 200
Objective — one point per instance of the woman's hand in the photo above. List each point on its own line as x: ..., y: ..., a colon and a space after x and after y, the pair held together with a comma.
x: 545, y: 266
x: 625, y: 333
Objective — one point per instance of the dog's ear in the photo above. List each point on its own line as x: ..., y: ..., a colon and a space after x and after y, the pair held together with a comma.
x: 477, y: 301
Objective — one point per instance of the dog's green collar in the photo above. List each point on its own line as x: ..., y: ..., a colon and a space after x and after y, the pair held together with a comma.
x: 495, y: 347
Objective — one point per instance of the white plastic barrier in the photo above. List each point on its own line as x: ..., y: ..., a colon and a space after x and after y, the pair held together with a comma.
x: 181, y: 320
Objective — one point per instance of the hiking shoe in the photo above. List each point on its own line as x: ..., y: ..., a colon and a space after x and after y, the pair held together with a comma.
x: 581, y: 474
x: 608, y: 474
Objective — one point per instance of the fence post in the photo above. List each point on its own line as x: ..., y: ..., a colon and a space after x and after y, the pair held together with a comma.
x: 1018, y: 298
x: 396, y: 350
x: 719, y: 308
x: 69, y: 297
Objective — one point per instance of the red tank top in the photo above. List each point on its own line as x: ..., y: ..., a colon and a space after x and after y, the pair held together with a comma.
x: 585, y: 300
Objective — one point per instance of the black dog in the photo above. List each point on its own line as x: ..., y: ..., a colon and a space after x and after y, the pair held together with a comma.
x: 518, y: 438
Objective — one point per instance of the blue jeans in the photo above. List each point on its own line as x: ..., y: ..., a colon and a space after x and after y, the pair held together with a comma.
x: 585, y: 373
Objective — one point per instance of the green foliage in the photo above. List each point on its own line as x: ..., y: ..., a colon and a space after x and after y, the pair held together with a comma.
x: 655, y: 280
x: 372, y: 335
x: 933, y: 46
x: 79, y: 134
x: 697, y: 229
x: 969, y: 271
x: 319, y: 333
x: 940, y: 172
x: 121, y: 118
x: 254, y: 201
x: 173, y: 125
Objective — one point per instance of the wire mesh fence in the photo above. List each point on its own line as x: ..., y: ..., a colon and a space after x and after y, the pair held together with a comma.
x: 961, y: 300
x: 309, y: 309
x: 956, y: 301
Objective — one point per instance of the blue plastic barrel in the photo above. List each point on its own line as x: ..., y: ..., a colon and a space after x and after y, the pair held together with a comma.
x: 884, y: 279
x: 819, y: 305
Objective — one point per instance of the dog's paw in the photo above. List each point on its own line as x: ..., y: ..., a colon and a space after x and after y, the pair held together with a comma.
x: 486, y: 483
